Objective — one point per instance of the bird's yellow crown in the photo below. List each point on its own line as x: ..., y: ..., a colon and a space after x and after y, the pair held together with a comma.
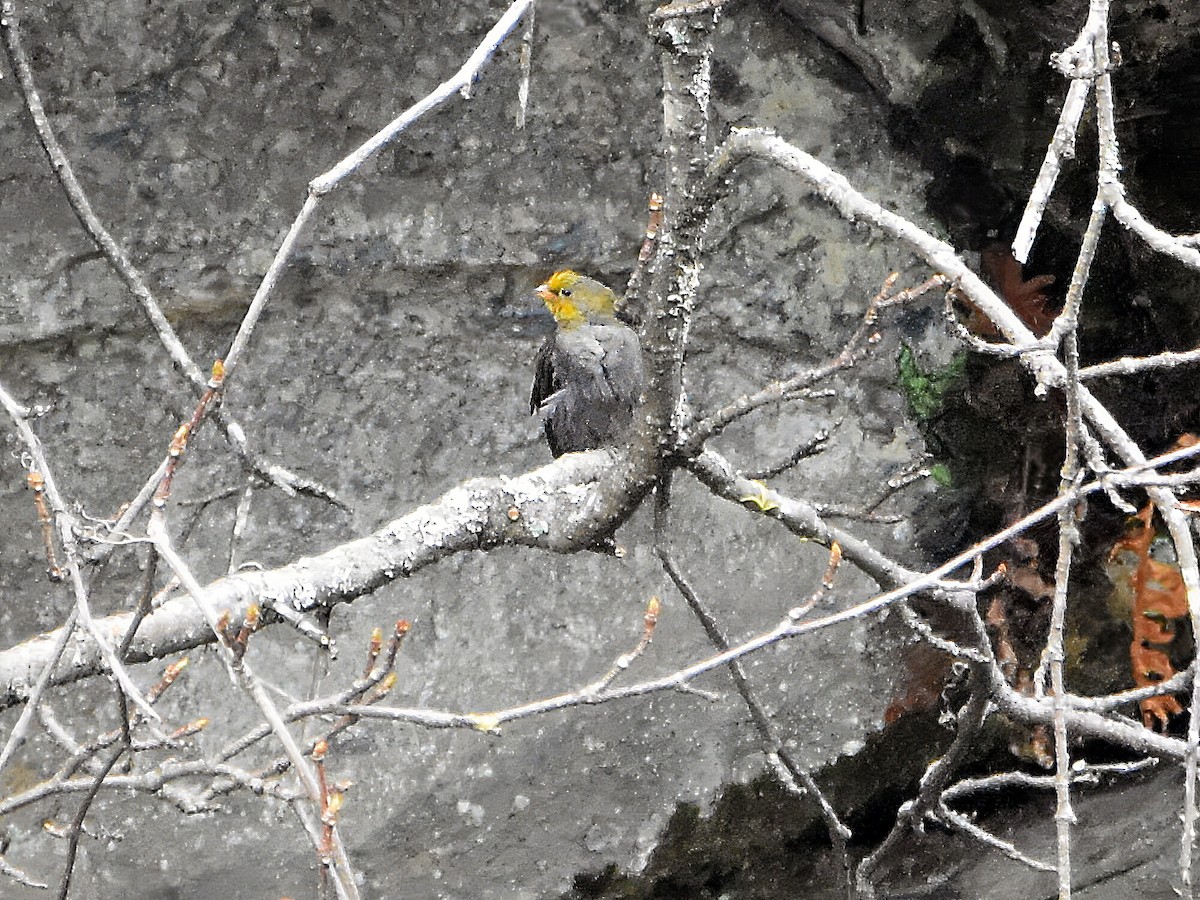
x: 562, y: 279
x: 573, y: 298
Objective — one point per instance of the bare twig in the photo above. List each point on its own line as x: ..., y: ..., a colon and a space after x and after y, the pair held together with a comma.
x: 65, y: 527
x: 1081, y: 774
x: 75, y: 830
x: 957, y: 820
x: 625, y: 660
x: 1131, y: 365
x: 933, y: 782
x: 243, y: 675
x: 1062, y: 146
x: 459, y: 83
x: 779, y: 757
x: 811, y: 447
x: 1065, y: 330
x: 860, y: 343
x: 526, y: 67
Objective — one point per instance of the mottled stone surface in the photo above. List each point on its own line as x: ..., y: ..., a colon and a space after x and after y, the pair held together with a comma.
x: 395, y: 361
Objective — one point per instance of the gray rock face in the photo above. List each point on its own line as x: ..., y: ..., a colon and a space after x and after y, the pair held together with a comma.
x: 394, y: 363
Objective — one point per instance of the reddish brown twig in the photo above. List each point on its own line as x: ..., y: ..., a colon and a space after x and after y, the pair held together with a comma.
x: 645, y: 261
x: 37, y: 484
x: 179, y: 442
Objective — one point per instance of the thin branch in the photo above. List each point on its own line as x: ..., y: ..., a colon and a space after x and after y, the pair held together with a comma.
x: 459, y: 83
x: 151, y: 781
x: 526, y: 64
x: 1082, y: 775
x: 1068, y: 319
x: 65, y: 527
x: 1177, y: 684
x: 1065, y: 329
x: 809, y: 448
x: 958, y: 821
x: 76, y: 827
x: 240, y: 670
x: 1131, y: 365
x: 1180, y: 248
x: 1055, y: 655
x: 37, y: 690
x: 773, y: 745
x: 860, y: 343
x: 933, y: 782
x: 1062, y: 146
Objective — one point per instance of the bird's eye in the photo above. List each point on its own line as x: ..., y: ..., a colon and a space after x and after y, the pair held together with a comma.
x: 566, y: 292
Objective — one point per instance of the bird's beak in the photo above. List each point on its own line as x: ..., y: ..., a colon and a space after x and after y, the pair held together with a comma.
x: 543, y: 293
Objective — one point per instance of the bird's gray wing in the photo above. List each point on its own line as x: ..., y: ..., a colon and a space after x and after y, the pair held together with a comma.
x: 621, y: 364
x: 543, y: 376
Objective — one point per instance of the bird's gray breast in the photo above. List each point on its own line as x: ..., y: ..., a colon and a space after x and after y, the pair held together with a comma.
x: 598, y: 379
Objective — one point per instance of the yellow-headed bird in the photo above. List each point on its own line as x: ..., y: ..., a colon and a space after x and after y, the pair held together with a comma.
x: 588, y: 378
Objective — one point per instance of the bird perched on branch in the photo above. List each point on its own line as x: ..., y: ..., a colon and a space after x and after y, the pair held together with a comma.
x: 588, y: 377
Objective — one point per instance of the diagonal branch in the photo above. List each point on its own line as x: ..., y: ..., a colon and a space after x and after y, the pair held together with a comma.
x: 459, y: 83
x: 81, y: 206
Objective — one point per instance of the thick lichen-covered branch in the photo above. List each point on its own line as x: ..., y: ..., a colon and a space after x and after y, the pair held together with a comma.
x: 561, y: 507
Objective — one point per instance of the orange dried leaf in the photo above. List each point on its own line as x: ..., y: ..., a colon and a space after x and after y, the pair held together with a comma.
x: 1150, y: 664
x: 1158, y: 710
x: 1158, y: 598
x: 1026, y: 298
x: 1165, y: 594
x: 925, y: 672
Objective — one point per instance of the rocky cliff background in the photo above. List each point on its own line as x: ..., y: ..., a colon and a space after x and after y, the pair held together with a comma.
x: 395, y: 363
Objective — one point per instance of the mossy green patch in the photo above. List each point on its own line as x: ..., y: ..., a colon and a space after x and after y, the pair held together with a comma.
x: 925, y: 389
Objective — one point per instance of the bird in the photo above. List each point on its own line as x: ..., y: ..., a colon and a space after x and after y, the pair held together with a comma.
x: 588, y: 375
